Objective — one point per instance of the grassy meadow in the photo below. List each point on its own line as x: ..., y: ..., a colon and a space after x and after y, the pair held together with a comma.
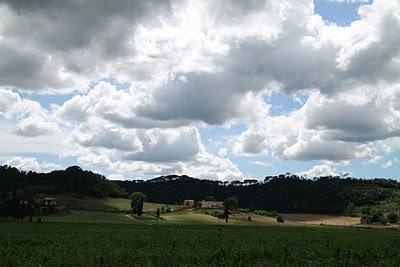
x: 100, y: 232
x: 112, y: 244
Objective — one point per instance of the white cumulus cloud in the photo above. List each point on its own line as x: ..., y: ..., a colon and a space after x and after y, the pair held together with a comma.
x: 32, y: 164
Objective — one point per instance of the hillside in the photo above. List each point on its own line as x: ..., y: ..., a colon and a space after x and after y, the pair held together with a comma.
x: 284, y: 193
x: 73, y: 179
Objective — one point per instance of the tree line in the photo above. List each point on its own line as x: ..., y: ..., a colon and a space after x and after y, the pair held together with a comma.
x: 283, y: 193
x: 72, y: 179
x: 18, y: 188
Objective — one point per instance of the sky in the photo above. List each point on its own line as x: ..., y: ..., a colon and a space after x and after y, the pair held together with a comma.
x: 222, y: 90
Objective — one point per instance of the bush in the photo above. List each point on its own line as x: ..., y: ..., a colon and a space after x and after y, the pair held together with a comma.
x: 384, y: 220
x: 167, y: 209
x: 365, y: 211
x: 280, y: 219
x: 260, y: 212
x: 393, y: 217
x: 365, y: 219
x: 376, y: 215
x: 264, y: 213
x: 350, y: 209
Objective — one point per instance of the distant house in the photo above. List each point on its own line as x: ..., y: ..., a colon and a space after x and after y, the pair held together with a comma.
x: 188, y: 204
x: 48, y: 202
x: 211, y: 204
x: 47, y: 205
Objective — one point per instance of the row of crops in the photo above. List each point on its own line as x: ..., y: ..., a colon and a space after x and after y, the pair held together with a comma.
x: 183, y: 245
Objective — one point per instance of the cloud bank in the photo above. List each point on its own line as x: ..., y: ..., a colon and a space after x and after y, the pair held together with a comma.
x: 144, y: 77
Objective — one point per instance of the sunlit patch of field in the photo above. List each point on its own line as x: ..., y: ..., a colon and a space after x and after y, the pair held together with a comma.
x: 152, y: 207
x: 83, y: 210
x: 317, y: 219
x: 189, y: 217
x: 256, y: 219
x: 73, y: 201
x: 202, y: 218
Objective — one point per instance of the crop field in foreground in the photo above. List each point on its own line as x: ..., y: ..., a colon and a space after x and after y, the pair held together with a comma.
x: 72, y: 244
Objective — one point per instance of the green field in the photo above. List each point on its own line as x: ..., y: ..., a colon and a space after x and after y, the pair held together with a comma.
x: 100, y: 232
x: 71, y: 244
x: 73, y: 201
x: 87, y: 216
x: 182, y: 217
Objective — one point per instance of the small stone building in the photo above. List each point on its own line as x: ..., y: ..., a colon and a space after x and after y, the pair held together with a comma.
x: 188, y: 204
x: 211, y: 204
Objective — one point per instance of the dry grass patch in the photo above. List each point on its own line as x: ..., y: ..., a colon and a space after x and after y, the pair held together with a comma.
x: 322, y: 219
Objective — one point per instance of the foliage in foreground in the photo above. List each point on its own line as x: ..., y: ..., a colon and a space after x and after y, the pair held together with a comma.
x: 156, y: 245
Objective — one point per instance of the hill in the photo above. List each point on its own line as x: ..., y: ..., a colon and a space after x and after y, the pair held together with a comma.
x: 73, y: 179
x: 283, y: 193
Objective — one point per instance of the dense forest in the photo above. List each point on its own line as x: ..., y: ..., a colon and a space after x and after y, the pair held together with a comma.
x: 283, y: 193
x: 73, y: 179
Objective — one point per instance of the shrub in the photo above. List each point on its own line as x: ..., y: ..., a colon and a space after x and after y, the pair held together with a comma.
x: 365, y: 211
x: 350, y: 209
x: 263, y: 213
x: 384, y: 220
x: 393, y: 217
x: 365, y: 219
x: 167, y: 209
x: 376, y: 215
x: 280, y: 219
x: 260, y: 212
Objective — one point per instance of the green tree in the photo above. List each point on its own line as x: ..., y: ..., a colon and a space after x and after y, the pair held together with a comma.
x: 210, y: 198
x: 365, y: 211
x: 226, y: 214
x: 231, y: 203
x: 393, y: 217
x: 350, y: 209
x: 158, y: 213
x: 280, y: 219
x: 137, y: 201
x: 376, y: 215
